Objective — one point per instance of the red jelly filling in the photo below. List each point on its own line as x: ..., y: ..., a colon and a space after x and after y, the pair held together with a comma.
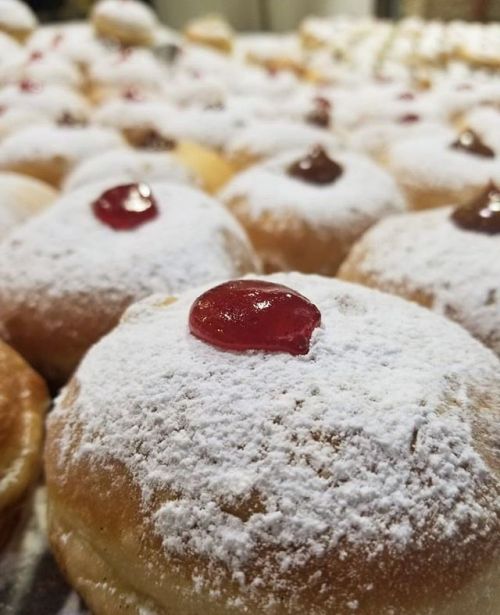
x: 29, y: 86
x: 133, y: 94
x: 468, y: 141
x: 409, y: 118
x: 126, y: 207
x: 254, y: 315
x: 35, y: 56
x: 316, y: 167
x: 406, y: 96
x: 482, y: 213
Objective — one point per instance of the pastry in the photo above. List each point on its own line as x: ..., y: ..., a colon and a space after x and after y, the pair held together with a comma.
x: 20, y: 198
x: 49, y: 153
x: 127, y: 165
x: 52, y: 100
x: 287, y: 445
x: 17, y: 19
x: 445, y: 259
x: 68, y: 274
x: 303, y: 210
x: 211, y: 31
x: 436, y: 170
x: 262, y: 139
x: 129, y: 22
x: 23, y: 402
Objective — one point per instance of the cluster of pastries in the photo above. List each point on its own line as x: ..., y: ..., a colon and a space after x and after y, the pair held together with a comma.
x: 195, y: 230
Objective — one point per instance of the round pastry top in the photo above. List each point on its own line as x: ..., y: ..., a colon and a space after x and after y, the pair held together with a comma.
x: 20, y: 198
x: 432, y: 161
x: 375, y: 137
x: 136, y: 67
x: 42, y: 67
x: 46, y: 142
x: 213, y: 126
x: 263, y: 139
x: 485, y: 122
x: 13, y: 119
x: 195, y: 89
x: 125, y: 165
x: 17, y: 16
x: 71, y: 251
x: 252, y: 79
x: 126, y: 12
x: 375, y: 439
x: 74, y: 40
x: 9, y: 48
x: 51, y: 99
x: 124, y: 113
x: 361, y: 191
x: 458, y: 268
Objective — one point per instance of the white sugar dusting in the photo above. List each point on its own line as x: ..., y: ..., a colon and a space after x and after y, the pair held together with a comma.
x: 427, y: 252
x: 265, y: 138
x: 430, y: 162
x: 364, y: 441
x: 67, y: 251
x: 360, y: 196
x: 124, y: 165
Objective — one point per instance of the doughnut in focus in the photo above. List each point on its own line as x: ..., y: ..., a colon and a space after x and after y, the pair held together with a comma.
x: 331, y: 462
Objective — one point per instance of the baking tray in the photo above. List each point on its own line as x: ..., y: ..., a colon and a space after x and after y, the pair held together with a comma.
x: 30, y: 582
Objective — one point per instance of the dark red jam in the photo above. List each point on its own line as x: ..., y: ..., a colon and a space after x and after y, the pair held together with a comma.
x: 69, y: 120
x: 319, y: 116
x: 153, y: 140
x: 408, y: 118
x: 324, y: 103
x: 316, y: 167
x: 468, y: 141
x: 132, y: 94
x: 482, y: 214
x: 215, y: 106
x: 254, y: 315
x: 126, y: 207
x: 57, y: 40
x: 35, y: 56
x: 28, y: 86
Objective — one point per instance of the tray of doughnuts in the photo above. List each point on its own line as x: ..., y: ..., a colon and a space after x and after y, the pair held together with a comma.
x: 249, y: 316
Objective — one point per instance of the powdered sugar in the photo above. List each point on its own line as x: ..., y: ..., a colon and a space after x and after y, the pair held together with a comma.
x: 365, y: 440
x: 20, y: 198
x: 124, y: 114
x: 17, y: 16
x: 127, y: 165
x: 430, y: 162
x: 67, y: 251
x: 52, y: 100
x: 362, y: 194
x: 429, y: 253
x: 263, y: 138
x: 47, y: 142
x: 41, y: 68
x: 14, y: 119
x: 130, y: 13
x: 137, y: 68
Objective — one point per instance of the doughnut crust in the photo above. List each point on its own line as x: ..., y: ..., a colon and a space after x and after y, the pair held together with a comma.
x: 23, y: 402
x: 183, y: 479
x: 426, y: 258
x: 67, y: 277
x: 302, y: 226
